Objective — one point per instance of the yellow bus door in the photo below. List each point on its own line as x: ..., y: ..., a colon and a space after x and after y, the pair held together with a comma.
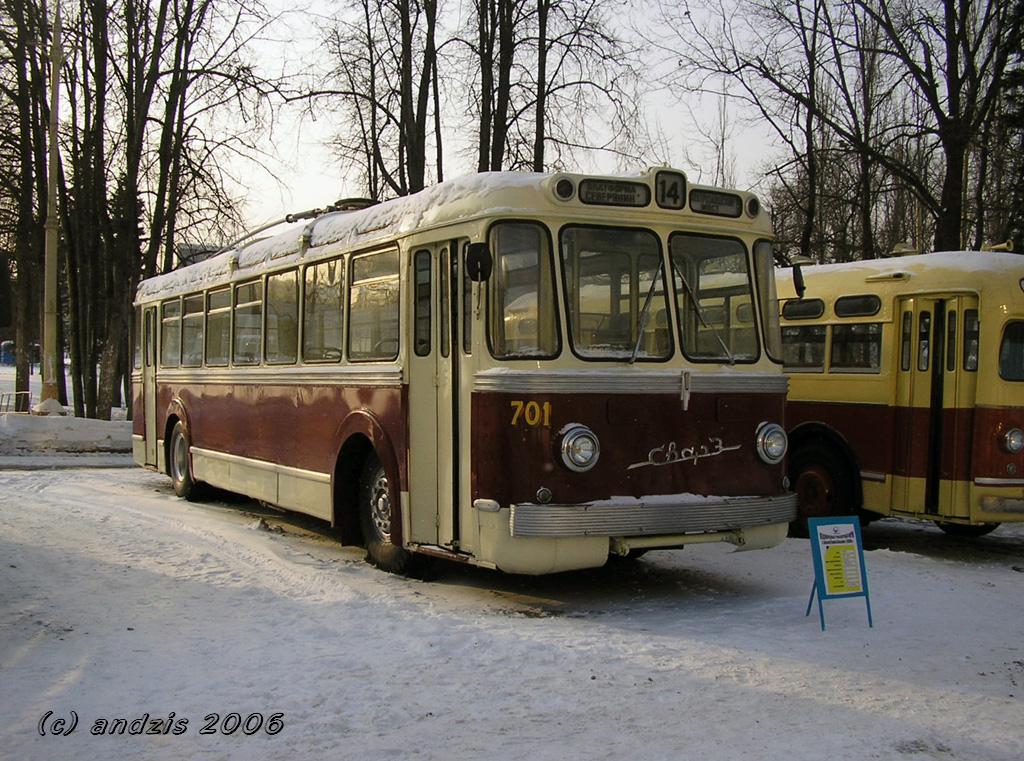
x: 958, y: 392
x: 930, y: 387
x: 149, y: 383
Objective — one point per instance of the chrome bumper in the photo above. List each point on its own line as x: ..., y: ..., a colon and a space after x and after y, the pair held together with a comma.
x: 657, y: 516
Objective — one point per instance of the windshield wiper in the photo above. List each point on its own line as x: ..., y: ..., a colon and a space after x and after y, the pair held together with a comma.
x: 700, y: 314
x: 643, y: 315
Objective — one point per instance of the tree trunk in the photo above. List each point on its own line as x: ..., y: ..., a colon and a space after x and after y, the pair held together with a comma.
x: 543, y: 6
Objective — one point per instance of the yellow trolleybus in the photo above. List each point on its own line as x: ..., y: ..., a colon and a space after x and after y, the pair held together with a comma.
x: 521, y: 371
x: 907, y: 388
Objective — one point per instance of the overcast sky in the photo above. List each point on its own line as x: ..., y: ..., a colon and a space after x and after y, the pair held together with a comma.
x: 308, y: 175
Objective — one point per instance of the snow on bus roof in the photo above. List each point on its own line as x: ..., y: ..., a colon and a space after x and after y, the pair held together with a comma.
x: 383, y: 220
x: 958, y: 261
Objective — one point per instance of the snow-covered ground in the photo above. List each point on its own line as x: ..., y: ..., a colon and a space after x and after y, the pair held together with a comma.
x: 118, y: 600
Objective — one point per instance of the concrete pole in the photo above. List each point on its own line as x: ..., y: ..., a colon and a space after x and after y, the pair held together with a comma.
x: 52, y: 226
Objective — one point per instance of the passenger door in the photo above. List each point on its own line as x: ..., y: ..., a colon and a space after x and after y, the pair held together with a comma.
x: 931, y: 388
x: 149, y: 383
x: 433, y: 397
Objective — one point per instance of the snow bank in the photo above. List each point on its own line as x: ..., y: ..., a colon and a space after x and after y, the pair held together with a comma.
x: 35, y: 433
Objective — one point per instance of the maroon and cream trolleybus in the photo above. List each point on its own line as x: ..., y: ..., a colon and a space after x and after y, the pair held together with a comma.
x: 526, y: 372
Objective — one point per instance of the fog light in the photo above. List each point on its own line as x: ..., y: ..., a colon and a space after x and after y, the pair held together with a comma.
x: 771, y: 443
x: 1013, y: 440
x: 580, y: 449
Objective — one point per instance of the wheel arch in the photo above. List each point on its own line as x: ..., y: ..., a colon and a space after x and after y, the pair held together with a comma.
x: 816, y: 433
x: 362, y: 434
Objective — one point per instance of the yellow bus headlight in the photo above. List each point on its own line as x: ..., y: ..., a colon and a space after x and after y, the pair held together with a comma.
x: 1013, y: 440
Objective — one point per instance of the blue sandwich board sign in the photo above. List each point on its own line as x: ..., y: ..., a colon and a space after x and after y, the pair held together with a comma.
x: 838, y: 553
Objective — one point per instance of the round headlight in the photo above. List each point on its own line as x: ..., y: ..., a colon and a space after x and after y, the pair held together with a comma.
x: 580, y: 449
x: 771, y: 443
x: 1013, y: 440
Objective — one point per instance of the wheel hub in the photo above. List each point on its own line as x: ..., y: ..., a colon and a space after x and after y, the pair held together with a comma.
x: 814, y: 489
x: 179, y: 459
x: 380, y: 508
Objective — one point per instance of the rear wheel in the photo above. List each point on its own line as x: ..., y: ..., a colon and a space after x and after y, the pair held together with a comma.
x: 375, y: 516
x: 824, y: 485
x: 179, y: 464
x: 964, y: 531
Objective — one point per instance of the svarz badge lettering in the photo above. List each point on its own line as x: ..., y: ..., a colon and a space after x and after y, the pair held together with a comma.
x: 669, y: 454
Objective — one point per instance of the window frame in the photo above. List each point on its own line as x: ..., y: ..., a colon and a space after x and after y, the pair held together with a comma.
x: 234, y: 322
x: 347, y: 291
x: 1002, y: 342
x: 846, y: 370
x: 667, y: 294
x: 229, y: 310
x: 758, y: 338
x: 163, y: 321
x: 343, y: 303
x: 297, y: 271
x: 546, y: 231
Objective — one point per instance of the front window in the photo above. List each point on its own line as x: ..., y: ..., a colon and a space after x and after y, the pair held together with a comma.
x: 523, y: 317
x: 615, y: 293
x: 714, y: 297
x: 1011, y: 352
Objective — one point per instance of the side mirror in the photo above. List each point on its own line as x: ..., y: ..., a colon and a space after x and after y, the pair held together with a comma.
x: 798, y: 281
x: 479, y: 262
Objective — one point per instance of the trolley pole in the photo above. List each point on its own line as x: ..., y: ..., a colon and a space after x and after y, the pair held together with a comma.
x: 52, y: 226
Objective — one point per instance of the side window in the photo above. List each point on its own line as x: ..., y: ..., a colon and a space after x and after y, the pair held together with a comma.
x: 803, y: 347
x: 444, y: 309
x: 248, y: 324
x: 170, y: 333
x: 1011, y: 352
x: 857, y: 306
x: 192, y: 332
x: 467, y: 308
x: 924, y: 338
x: 373, y: 307
x: 322, y: 312
x: 856, y: 348
x: 421, y: 308
x: 283, y: 318
x: 522, y: 315
x: 218, y: 327
x: 906, y: 340
x: 803, y: 309
x: 972, y: 329
x: 951, y: 341
x: 137, y: 364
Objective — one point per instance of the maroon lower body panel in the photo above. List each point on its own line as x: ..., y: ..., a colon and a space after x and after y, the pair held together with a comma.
x: 894, y: 440
x: 298, y: 426
x: 650, y: 446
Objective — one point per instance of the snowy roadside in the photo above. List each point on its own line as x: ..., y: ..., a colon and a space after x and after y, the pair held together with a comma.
x: 119, y: 601
x: 33, y: 442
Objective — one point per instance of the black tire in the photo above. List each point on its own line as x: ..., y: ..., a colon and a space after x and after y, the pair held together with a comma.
x: 824, y: 484
x: 375, y: 516
x: 179, y: 464
x: 963, y: 531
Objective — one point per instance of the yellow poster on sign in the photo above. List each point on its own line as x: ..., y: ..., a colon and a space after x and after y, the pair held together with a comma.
x: 842, y: 569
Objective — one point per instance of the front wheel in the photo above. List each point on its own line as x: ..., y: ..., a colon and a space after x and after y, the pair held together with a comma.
x: 964, y: 531
x: 180, y: 464
x: 823, y: 484
x: 375, y: 516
